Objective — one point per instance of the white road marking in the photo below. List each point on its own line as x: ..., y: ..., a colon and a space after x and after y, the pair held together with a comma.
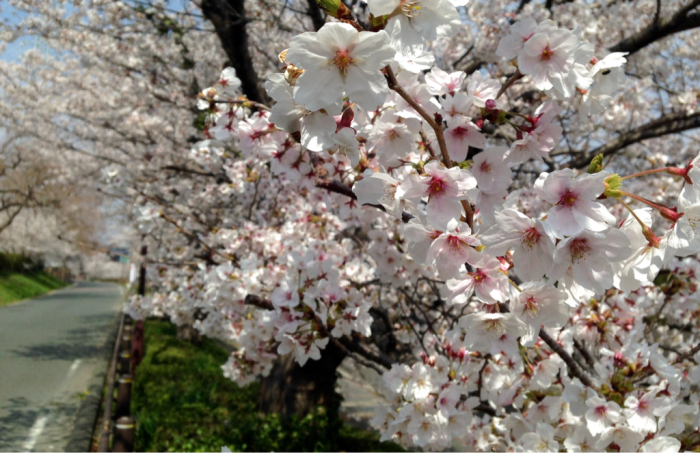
x: 34, y: 433
x: 74, y: 366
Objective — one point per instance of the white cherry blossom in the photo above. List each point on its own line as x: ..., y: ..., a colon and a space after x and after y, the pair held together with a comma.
x: 339, y: 58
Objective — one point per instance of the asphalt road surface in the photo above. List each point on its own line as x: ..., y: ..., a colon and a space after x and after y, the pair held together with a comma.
x: 49, y: 347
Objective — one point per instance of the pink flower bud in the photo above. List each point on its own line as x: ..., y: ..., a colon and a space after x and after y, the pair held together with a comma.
x: 669, y: 213
x: 490, y: 105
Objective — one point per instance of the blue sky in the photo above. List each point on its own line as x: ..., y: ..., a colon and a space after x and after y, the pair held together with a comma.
x: 13, y: 50
x: 10, y: 15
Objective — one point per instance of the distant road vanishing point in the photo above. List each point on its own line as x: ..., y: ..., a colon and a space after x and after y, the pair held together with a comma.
x: 49, y: 349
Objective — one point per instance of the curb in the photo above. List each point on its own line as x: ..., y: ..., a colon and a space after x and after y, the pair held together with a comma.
x: 81, y: 436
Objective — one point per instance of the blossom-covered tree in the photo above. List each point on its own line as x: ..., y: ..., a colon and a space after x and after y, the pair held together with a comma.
x: 492, y: 204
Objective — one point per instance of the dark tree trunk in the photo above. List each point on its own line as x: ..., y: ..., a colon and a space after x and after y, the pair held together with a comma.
x: 294, y: 390
x: 317, y: 16
x: 188, y: 333
x: 229, y: 20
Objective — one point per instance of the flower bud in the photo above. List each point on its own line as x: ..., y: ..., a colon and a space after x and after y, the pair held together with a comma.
x: 596, y: 164
x: 669, y: 213
x: 613, y: 183
x: 490, y: 104
x: 335, y: 8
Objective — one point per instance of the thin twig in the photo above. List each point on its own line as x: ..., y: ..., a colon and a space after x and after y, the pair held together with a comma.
x: 481, y: 375
x: 394, y: 85
x: 573, y: 366
x: 514, y: 78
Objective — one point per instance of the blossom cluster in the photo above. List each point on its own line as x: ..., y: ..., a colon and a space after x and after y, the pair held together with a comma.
x: 379, y: 183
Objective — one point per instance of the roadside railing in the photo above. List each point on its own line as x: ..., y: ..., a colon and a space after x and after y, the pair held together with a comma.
x: 118, y: 424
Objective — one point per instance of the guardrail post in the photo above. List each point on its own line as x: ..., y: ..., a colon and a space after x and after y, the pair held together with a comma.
x: 123, y: 408
x: 124, y: 435
x: 125, y: 362
x: 125, y: 344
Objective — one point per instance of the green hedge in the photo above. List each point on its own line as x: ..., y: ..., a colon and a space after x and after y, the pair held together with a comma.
x: 18, y: 286
x: 182, y: 402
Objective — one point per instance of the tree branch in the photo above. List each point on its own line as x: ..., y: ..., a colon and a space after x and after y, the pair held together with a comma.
x: 670, y: 123
x: 437, y: 128
x: 682, y: 20
x: 229, y: 20
x: 334, y: 186
x: 317, y: 16
x: 573, y: 366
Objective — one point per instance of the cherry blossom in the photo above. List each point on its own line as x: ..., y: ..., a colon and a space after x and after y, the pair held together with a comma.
x: 601, y: 414
x: 482, y: 329
x: 590, y: 256
x: 488, y: 283
x: 444, y: 189
x: 539, y: 305
x: 369, y: 197
x: 339, y: 58
x: 454, y: 247
x: 530, y: 241
x: 462, y: 134
x: 548, y: 56
x: 574, y: 209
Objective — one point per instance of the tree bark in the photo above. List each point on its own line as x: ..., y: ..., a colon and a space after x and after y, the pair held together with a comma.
x: 682, y: 20
x: 316, y: 15
x: 671, y: 123
x: 188, y: 333
x: 294, y: 390
x: 229, y: 20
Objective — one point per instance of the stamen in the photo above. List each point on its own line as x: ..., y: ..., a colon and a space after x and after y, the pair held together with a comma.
x: 343, y: 60
x: 410, y: 8
x: 578, y: 249
x: 568, y: 199
x: 546, y: 54
x: 436, y: 187
x: 530, y: 238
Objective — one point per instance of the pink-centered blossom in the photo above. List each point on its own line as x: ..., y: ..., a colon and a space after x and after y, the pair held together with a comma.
x: 442, y: 83
x: 462, y: 134
x: 444, y: 189
x: 590, y: 256
x: 640, y: 412
x: 530, y: 241
x: 338, y: 58
x: 601, y: 414
x: 453, y: 248
x: 512, y: 44
x: 547, y: 56
x: 481, y: 88
x: 574, y: 207
x: 492, y: 172
x: 539, y: 305
x: 488, y: 283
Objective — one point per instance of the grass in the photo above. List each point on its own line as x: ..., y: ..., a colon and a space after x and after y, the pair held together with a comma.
x: 15, y: 286
x: 182, y: 402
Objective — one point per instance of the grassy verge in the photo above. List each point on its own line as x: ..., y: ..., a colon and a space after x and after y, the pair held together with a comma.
x: 182, y: 402
x: 15, y: 286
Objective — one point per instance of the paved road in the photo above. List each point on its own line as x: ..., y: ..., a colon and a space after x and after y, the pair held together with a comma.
x: 48, y: 351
